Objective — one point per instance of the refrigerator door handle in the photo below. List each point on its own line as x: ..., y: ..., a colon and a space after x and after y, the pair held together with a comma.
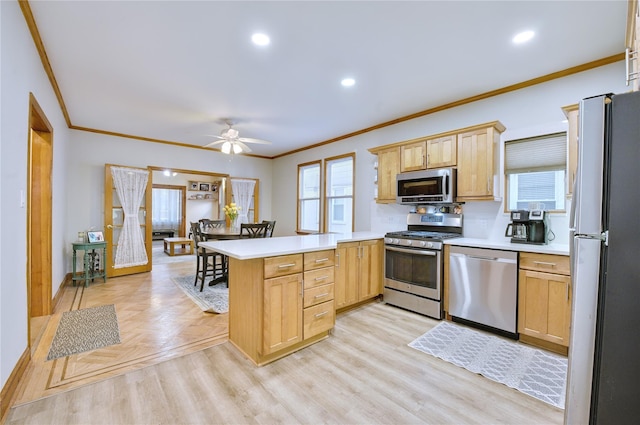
x: 604, y: 236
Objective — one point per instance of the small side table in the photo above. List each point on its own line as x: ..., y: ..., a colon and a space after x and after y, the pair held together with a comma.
x: 89, y: 273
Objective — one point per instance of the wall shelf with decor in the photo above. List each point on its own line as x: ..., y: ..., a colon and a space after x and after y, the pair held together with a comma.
x: 203, y: 186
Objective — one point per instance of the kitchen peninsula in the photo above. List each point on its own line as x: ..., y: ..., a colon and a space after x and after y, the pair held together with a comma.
x: 281, y: 289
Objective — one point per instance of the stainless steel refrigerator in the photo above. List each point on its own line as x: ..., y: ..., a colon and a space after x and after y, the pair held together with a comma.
x: 603, y: 383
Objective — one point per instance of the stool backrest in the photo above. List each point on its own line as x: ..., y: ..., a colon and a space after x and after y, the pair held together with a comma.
x: 253, y: 230
x: 270, y: 226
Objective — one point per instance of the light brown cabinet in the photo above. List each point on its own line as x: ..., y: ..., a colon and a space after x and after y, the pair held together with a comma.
x: 319, y: 309
x: 478, y: 164
x: 358, y: 272
x: 388, y: 168
x: 442, y: 151
x: 280, y: 304
x: 571, y: 112
x: 473, y: 150
x: 544, y: 300
x: 413, y: 156
x: 282, y: 313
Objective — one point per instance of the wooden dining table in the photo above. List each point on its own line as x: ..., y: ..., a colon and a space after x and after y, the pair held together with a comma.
x: 222, y: 233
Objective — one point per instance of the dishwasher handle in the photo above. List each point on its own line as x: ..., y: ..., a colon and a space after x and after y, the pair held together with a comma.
x: 476, y: 257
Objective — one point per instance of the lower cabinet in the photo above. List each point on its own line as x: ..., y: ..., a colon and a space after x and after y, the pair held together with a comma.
x: 280, y: 304
x: 319, y: 308
x: 282, y: 313
x: 358, y: 271
x: 544, y: 298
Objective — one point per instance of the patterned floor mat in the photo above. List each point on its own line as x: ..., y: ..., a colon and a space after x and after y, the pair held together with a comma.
x: 535, y: 372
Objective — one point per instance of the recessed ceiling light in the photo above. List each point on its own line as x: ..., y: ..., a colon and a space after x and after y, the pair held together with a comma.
x: 522, y: 37
x: 260, y: 39
x: 348, y: 82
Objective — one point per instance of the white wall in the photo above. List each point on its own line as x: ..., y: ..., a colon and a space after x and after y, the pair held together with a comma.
x: 527, y: 112
x: 22, y: 73
x: 89, y: 152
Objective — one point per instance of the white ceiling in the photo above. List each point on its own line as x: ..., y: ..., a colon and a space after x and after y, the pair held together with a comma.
x: 172, y: 70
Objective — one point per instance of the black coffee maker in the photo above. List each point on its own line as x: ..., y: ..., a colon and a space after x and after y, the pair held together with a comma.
x: 528, y: 227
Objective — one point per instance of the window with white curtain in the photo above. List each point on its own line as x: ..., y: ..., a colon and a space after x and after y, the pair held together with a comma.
x: 339, y: 193
x: 535, y: 171
x: 167, y: 208
x: 309, y: 197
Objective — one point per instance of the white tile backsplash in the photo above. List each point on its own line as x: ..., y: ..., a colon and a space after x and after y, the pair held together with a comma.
x: 482, y: 219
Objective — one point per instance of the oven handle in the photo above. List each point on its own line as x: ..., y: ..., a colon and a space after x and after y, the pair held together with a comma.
x: 412, y: 251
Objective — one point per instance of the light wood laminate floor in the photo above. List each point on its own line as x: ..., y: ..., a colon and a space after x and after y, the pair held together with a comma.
x: 363, y: 373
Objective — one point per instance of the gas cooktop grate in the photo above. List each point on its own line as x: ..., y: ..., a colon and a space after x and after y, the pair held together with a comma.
x: 419, y: 234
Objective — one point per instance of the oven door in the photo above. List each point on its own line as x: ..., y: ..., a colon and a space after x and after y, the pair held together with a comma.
x: 416, y: 271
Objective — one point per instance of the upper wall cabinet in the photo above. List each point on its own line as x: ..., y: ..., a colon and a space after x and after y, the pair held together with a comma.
x: 571, y: 113
x: 478, y: 163
x: 388, y: 168
x: 431, y: 153
x: 413, y: 156
x: 442, y: 151
x: 474, y: 150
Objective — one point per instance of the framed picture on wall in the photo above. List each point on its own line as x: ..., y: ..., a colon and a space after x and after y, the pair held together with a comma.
x: 95, y: 237
x: 193, y: 185
x: 204, y: 186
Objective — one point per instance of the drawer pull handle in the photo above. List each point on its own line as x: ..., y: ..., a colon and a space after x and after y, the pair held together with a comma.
x: 322, y: 277
x: 321, y: 260
x: 282, y: 266
x: 321, y: 295
x: 324, y: 313
x: 544, y: 263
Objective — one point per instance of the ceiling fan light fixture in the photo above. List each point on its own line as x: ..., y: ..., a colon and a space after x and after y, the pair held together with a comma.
x: 523, y: 37
x: 237, y: 148
x: 260, y: 39
x: 226, y: 147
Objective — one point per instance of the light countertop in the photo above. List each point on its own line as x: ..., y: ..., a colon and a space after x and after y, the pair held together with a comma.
x: 505, y: 244
x: 245, y: 249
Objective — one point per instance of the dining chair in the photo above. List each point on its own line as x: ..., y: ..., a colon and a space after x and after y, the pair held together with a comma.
x: 206, y: 224
x: 253, y: 230
x: 270, y: 226
x: 206, y: 258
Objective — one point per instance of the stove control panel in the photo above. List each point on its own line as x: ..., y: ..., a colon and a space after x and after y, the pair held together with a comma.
x: 413, y: 243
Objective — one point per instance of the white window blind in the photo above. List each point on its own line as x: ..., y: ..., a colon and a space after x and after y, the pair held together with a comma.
x: 543, y: 153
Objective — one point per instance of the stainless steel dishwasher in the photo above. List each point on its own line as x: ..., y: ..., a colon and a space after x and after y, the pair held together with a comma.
x: 483, y: 287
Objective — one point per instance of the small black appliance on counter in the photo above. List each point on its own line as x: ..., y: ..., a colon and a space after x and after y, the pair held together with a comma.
x: 530, y: 227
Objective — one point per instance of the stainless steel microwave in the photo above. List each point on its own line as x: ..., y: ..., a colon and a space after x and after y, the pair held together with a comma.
x: 428, y: 186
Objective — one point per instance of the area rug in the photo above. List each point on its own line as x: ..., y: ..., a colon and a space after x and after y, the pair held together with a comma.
x: 212, y: 299
x: 537, y: 373
x: 85, y: 330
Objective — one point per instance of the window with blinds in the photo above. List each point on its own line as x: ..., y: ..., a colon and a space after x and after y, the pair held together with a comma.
x: 535, y: 171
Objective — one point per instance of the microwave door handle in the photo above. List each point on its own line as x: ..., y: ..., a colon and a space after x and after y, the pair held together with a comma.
x: 445, y: 182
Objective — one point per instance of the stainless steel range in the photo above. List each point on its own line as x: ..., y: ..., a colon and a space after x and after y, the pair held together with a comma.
x: 414, y: 264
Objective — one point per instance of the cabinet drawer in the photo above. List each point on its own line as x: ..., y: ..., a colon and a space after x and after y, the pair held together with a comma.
x: 319, y: 277
x: 282, y: 265
x: 318, y: 319
x: 318, y: 259
x: 317, y: 295
x: 545, y: 263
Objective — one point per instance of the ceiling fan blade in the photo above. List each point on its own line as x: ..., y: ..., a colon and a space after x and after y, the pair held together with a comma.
x: 216, y: 136
x: 244, y: 147
x: 217, y: 142
x: 252, y: 140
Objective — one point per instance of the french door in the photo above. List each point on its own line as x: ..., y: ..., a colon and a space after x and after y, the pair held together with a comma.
x: 114, y: 222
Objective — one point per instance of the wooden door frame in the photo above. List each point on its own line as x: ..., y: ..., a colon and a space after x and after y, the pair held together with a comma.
x: 39, y: 221
x: 183, y: 201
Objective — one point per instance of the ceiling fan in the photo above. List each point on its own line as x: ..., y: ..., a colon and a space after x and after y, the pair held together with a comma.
x: 231, y: 143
